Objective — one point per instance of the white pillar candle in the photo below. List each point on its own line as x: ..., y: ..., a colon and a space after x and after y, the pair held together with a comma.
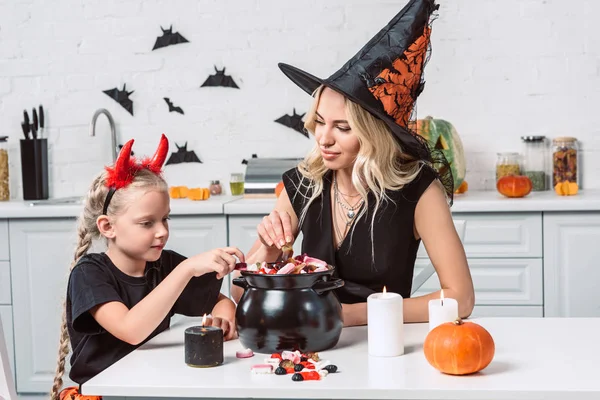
x: 442, y: 310
x: 385, y: 324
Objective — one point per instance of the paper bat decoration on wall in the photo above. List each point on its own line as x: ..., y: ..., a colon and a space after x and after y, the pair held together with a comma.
x: 121, y: 146
x: 245, y: 162
x: 220, y: 79
x: 182, y: 155
x: 173, y: 107
x: 168, y: 38
x: 293, y: 121
x: 121, y: 97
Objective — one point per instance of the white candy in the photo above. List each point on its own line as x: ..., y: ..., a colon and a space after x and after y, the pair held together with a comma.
x: 323, y: 373
x: 322, y: 364
x: 246, y: 353
x: 293, y: 356
x: 252, y: 267
x: 262, y: 369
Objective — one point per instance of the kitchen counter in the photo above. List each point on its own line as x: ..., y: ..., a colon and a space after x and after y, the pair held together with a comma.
x: 536, y: 358
x: 24, y: 209
x: 474, y: 201
x: 482, y: 201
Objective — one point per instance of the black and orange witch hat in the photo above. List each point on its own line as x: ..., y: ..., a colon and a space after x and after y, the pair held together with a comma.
x: 386, y: 76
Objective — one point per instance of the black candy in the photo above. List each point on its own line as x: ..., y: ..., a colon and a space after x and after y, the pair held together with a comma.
x: 330, y: 368
x: 297, y: 377
x: 298, y: 367
x: 280, y: 371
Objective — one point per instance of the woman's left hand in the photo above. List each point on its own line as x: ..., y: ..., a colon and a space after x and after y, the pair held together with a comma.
x: 228, y: 327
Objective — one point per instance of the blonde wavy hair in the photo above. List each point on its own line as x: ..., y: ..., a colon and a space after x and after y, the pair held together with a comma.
x: 379, y: 166
x: 87, y: 231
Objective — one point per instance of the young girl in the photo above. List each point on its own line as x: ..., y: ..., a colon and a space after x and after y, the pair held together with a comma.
x: 119, y: 299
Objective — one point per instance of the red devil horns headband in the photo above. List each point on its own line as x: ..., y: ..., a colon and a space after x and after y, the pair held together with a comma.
x: 122, y: 173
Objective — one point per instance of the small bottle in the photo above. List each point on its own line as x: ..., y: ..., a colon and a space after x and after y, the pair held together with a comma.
x: 215, y: 187
x: 507, y: 164
x: 564, y: 160
x: 535, y: 163
x: 4, y: 181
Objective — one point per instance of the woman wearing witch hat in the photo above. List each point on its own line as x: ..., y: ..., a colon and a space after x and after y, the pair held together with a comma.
x: 371, y: 189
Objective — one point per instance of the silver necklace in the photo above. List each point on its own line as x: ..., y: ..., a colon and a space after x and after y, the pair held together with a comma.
x: 350, y: 210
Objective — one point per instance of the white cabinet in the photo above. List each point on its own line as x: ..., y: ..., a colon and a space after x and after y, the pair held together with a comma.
x: 190, y: 235
x: 504, y: 253
x: 5, y: 289
x: 4, y: 252
x: 41, y: 253
x: 7, y: 325
x: 571, y: 269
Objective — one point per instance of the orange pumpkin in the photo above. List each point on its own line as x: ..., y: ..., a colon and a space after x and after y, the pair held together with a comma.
x: 178, y: 192
x: 464, y: 186
x: 72, y: 393
x: 566, y: 188
x: 459, y: 348
x: 198, y: 194
x: 514, y: 186
x: 279, y: 188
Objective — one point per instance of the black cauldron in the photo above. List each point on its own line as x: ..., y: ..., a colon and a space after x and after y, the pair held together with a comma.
x: 289, y: 312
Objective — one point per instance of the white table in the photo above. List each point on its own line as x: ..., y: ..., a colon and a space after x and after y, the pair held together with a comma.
x: 536, y: 358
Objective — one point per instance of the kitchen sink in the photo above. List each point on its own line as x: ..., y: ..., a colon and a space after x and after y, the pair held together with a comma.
x: 57, y: 201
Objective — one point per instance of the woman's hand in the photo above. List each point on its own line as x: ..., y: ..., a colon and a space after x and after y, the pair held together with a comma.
x: 228, y: 327
x: 275, y: 229
x: 221, y: 261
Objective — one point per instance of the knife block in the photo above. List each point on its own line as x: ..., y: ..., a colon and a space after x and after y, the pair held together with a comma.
x: 34, y: 168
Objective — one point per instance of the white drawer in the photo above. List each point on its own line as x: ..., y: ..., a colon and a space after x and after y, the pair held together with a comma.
x: 4, y: 252
x: 501, y: 235
x: 508, y: 311
x: 498, y: 281
x: 5, y: 294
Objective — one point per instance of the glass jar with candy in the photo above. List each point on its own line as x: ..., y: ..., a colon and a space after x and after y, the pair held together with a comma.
x: 565, y: 160
x: 507, y: 164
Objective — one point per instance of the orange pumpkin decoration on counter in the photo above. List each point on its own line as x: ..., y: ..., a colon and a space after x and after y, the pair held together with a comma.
x: 178, y: 192
x: 198, y: 194
x: 464, y: 186
x: 459, y: 348
x: 566, y: 188
x: 514, y: 186
x: 182, y: 192
x: 279, y: 188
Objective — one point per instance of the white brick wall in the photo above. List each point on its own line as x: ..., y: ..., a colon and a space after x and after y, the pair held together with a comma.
x: 498, y: 70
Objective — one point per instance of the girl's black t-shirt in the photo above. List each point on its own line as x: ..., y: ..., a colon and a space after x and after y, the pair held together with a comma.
x: 394, y: 244
x: 96, y: 280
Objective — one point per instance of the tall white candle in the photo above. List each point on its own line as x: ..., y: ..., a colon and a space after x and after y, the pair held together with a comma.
x: 442, y: 310
x: 385, y: 324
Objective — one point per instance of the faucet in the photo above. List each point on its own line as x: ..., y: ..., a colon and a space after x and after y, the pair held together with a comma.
x: 113, y: 134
